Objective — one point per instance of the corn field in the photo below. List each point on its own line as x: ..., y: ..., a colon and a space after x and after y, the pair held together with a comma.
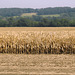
x: 37, y: 42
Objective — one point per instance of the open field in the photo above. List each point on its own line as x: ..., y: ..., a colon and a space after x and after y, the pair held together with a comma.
x: 31, y: 14
x: 55, y: 15
x: 37, y: 64
x: 28, y: 14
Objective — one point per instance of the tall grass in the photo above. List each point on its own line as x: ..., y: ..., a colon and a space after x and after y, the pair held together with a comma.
x: 37, y: 42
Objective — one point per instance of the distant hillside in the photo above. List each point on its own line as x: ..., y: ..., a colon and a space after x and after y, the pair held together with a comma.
x: 56, y: 10
x: 44, y: 17
x: 8, y: 12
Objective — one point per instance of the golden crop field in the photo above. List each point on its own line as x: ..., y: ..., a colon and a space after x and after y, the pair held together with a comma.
x: 37, y: 51
x: 37, y: 40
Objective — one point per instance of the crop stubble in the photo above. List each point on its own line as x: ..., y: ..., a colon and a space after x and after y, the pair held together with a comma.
x: 37, y: 64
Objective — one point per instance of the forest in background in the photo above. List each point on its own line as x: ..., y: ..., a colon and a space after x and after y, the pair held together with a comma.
x: 44, y: 17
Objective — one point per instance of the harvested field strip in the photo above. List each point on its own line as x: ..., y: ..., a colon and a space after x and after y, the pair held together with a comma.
x: 37, y: 29
x: 37, y: 42
x: 18, y: 64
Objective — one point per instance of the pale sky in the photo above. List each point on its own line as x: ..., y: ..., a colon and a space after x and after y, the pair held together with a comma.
x: 36, y: 3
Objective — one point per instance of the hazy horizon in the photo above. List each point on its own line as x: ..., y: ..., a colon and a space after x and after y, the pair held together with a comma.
x: 36, y: 4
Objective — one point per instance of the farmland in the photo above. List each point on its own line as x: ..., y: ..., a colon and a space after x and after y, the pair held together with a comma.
x: 38, y: 51
x: 28, y: 14
x: 54, y: 15
x: 35, y: 14
x: 31, y: 14
x: 37, y: 42
x: 12, y: 64
x: 37, y: 29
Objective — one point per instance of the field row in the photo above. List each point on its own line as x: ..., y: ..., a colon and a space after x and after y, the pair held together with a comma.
x: 37, y: 42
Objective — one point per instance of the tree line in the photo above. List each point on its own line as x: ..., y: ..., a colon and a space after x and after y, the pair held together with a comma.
x: 8, y: 12
x: 44, y: 22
